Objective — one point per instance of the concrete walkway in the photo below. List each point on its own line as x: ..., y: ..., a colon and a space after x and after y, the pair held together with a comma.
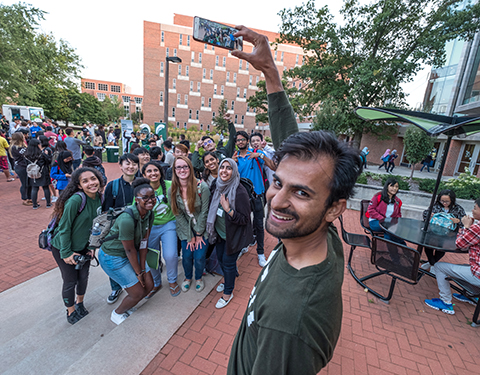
x: 405, y: 172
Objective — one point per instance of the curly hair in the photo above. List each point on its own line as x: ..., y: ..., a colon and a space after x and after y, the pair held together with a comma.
x: 72, y: 187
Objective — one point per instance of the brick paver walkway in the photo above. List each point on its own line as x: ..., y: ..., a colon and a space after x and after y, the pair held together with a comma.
x: 405, y: 337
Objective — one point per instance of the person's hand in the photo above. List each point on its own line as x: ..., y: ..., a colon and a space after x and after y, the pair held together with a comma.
x: 253, y: 155
x: 198, y: 145
x: 228, y: 117
x: 455, y: 220
x: 191, y: 244
x: 68, y: 175
x: 263, y: 144
x: 467, y: 221
x: 224, y: 202
x: 141, y: 279
x: 199, y: 242
x: 70, y: 259
x: 235, y: 157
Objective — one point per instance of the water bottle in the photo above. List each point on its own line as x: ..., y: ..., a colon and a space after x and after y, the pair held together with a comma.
x: 96, y: 231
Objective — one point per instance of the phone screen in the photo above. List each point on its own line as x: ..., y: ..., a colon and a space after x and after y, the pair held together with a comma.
x: 216, y: 34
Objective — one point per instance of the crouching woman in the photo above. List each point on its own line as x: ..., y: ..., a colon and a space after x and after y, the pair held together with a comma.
x: 123, y: 258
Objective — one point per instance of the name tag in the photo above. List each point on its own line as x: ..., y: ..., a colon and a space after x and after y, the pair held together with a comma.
x: 143, y: 244
x: 220, y: 212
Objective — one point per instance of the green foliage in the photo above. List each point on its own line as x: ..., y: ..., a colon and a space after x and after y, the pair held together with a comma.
x: 428, y: 185
x: 136, y: 117
x: 362, y: 179
x: 30, y: 59
x: 221, y: 125
x: 465, y: 186
x: 268, y: 139
x: 417, y: 145
x: 377, y: 46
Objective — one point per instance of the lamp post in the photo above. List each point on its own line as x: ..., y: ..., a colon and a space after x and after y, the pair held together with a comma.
x: 173, y: 59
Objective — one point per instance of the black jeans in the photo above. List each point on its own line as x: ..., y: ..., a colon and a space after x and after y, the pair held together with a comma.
x: 72, y: 278
x: 25, y: 188
x: 46, y: 192
x: 433, y: 255
x: 258, y: 216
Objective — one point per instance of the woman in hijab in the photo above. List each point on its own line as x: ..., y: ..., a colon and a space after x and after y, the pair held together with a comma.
x: 385, y: 158
x: 391, y: 161
x: 62, y: 169
x: 363, y: 155
x: 228, y: 224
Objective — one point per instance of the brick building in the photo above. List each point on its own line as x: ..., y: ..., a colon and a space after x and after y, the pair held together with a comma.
x: 205, y: 77
x: 115, y: 91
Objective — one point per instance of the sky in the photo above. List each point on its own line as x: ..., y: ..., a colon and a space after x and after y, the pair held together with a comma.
x: 108, y: 35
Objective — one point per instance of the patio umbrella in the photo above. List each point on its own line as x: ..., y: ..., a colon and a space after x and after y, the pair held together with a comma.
x: 433, y: 125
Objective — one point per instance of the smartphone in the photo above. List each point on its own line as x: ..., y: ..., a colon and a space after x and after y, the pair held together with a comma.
x: 216, y: 34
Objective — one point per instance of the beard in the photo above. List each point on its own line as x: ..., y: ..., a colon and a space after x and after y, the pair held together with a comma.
x: 296, y: 230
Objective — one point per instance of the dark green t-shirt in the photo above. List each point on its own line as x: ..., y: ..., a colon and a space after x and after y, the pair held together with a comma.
x: 293, y: 318
x: 124, y: 226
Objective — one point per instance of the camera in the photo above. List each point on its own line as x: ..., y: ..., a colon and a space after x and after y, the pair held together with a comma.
x: 81, y: 260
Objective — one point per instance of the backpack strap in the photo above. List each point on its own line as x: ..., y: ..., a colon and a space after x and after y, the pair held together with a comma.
x: 260, y: 167
x: 84, y: 201
x: 115, y: 186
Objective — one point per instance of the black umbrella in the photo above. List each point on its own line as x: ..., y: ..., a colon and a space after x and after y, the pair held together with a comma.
x: 433, y: 125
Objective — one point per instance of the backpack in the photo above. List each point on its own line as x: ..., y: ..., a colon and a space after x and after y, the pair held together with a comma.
x: 252, y: 196
x: 34, y: 171
x: 102, y: 172
x: 103, y: 223
x: 46, y: 236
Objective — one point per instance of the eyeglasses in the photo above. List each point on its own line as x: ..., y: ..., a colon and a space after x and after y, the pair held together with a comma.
x: 208, y: 141
x: 180, y: 167
x: 148, y: 198
x: 241, y: 140
x: 445, y: 202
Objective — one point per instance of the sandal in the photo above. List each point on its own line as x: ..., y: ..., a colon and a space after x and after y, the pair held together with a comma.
x: 152, y: 292
x: 175, y: 291
x: 186, y: 285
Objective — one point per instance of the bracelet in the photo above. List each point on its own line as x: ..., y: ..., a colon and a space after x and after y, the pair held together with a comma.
x: 231, y: 209
x: 140, y: 273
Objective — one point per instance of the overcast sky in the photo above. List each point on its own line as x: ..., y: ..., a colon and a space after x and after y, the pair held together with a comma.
x: 108, y: 35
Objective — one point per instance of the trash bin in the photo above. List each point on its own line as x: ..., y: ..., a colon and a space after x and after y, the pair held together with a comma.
x: 112, y: 154
x: 98, y: 152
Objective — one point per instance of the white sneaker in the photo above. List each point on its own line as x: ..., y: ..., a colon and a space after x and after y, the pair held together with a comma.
x: 54, y: 199
x: 261, y: 260
x: 221, y: 288
x: 432, y: 269
x: 118, y: 318
x: 222, y: 303
x: 425, y: 266
x: 43, y: 198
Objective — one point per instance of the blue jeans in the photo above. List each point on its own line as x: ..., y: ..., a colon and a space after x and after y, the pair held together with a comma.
x: 76, y: 163
x: 229, y: 266
x: 375, y: 226
x: 190, y: 257
x: 426, y: 165
x: 167, y: 233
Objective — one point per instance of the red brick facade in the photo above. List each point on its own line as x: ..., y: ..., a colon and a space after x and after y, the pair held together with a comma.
x: 196, y: 84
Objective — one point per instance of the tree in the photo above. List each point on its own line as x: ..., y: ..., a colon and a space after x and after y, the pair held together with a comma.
x: 378, y: 46
x: 221, y: 125
x: 29, y: 58
x: 137, y: 117
x: 417, y: 146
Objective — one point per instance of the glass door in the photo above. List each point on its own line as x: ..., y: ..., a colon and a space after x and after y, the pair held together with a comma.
x: 469, y: 159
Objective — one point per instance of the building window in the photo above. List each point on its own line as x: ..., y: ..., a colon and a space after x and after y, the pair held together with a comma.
x: 208, y: 127
x: 193, y: 56
x: 126, y: 108
x: 213, y: 116
x: 228, y: 76
x: 248, y: 108
x: 191, y: 85
x: 175, y: 52
x: 163, y: 36
x: 240, y: 64
x: 181, y: 39
x: 178, y: 124
x: 299, y: 85
x: 245, y: 93
x: 185, y: 125
x: 186, y: 99
x: 238, y: 92
x: 101, y: 96
x: 281, y: 58
x: 91, y: 85
x: 276, y: 55
x: 198, y: 86
x: 102, y: 87
x: 201, y: 126
x: 203, y: 101
x: 243, y: 118
x: 198, y: 112
x: 161, y: 96
x: 221, y: 90
x: 234, y: 77
x: 213, y: 48
x: 113, y: 97
x: 168, y: 51
x: 211, y: 73
x: 216, y: 64
x: 199, y: 57
x: 179, y: 70
x: 187, y: 70
x: 256, y: 81
x: 173, y: 111
x: 224, y: 61
x: 126, y: 99
x: 188, y: 40
x: 236, y: 119
x: 209, y: 102
x: 161, y: 68
x: 293, y: 84
x: 214, y: 89
x: 296, y: 60
x: 114, y: 88
x: 246, y: 65
x: 189, y: 113
x: 174, y: 84
x: 233, y: 105
x: 138, y: 100
x: 250, y: 81
x: 204, y: 73
x: 178, y: 98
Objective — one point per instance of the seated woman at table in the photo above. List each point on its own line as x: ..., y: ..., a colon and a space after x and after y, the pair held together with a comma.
x: 445, y: 203
x: 385, y: 205
x: 468, y: 238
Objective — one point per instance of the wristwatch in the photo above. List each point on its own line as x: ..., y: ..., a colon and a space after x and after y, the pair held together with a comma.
x: 262, y: 156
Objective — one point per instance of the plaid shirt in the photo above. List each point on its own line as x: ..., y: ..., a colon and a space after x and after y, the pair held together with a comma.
x: 470, y: 239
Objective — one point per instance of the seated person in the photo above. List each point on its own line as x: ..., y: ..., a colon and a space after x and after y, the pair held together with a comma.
x: 384, y: 205
x: 445, y: 203
x: 468, y: 238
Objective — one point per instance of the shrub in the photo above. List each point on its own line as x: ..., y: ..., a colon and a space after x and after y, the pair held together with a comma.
x: 428, y: 185
x: 466, y: 186
x: 362, y: 179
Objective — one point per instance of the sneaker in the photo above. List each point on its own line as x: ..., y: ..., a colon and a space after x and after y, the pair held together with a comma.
x: 254, y: 242
x: 36, y: 207
x: 186, y: 285
x: 199, y: 285
x: 74, y: 317
x: 119, y: 318
x: 221, y: 288
x: 112, y: 298
x: 426, y: 266
x: 48, y: 206
x: 54, y: 199
x: 438, y: 304
x: 432, y: 270
x: 261, y: 260
x: 80, y: 308
x: 221, y: 303
x: 43, y: 198
x: 462, y: 298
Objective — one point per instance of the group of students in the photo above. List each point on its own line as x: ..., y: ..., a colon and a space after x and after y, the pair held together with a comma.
x: 385, y: 205
x: 199, y: 213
